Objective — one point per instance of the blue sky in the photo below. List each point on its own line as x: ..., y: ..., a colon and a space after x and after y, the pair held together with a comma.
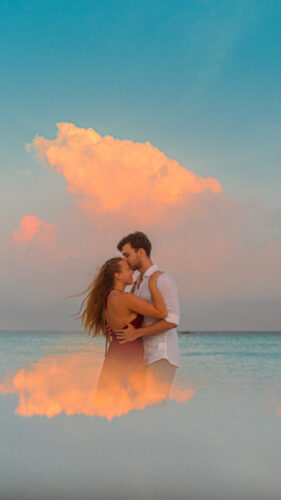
x: 199, y: 79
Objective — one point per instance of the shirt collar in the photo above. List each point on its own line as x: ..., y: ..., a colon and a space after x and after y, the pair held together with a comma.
x: 151, y: 270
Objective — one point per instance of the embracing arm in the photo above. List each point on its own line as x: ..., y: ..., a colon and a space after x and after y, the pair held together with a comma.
x: 169, y: 292
x: 131, y: 333
x: 155, y: 310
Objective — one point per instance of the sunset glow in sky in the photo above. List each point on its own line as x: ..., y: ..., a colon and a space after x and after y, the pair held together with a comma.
x: 162, y: 117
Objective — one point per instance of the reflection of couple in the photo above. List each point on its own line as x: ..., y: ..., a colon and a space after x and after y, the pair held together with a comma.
x: 140, y: 326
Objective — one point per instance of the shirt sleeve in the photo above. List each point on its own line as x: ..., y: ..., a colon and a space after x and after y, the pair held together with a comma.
x: 169, y: 292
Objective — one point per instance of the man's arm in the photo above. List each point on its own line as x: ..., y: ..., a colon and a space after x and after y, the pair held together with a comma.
x: 131, y: 333
x: 160, y: 326
x: 169, y: 292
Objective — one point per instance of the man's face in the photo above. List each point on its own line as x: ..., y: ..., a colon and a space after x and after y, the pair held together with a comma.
x: 131, y: 256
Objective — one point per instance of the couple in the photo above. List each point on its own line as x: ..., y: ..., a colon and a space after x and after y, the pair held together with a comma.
x: 140, y: 326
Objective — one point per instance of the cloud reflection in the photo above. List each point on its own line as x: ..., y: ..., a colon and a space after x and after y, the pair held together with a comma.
x: 67, y: 383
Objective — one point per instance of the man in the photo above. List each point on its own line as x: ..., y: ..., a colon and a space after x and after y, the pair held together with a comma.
x: 160, y: 339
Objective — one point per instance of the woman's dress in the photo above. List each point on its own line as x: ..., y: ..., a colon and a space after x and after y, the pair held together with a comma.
x: 122, y: 371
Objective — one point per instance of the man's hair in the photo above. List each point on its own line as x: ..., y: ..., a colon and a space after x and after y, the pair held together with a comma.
x: 137, y: 240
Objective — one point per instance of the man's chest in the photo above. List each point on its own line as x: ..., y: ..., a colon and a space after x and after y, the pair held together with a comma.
x: 143, y: 291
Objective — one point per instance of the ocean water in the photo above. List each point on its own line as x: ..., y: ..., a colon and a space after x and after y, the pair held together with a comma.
x: 223, y: 441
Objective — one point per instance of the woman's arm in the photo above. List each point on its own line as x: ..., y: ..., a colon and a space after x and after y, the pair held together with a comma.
x: 157, y: 309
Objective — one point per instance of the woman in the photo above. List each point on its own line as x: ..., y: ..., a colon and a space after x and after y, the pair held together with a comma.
x: 107, y: 307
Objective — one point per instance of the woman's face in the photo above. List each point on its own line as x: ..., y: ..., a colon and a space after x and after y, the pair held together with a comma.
x: 126, y: 273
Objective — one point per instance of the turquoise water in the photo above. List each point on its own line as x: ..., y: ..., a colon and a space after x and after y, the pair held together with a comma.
x: 224, y: 442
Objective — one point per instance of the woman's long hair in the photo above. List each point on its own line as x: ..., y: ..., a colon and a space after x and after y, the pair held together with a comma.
x: 92, y: 309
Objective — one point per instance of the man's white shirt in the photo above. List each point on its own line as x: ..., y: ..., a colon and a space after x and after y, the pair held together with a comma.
x: 163, y: 345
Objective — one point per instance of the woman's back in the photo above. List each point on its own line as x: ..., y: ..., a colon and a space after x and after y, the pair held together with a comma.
x: 116, y: 310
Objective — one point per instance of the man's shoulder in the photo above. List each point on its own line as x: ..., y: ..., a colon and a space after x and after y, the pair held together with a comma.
x: 166, y: 279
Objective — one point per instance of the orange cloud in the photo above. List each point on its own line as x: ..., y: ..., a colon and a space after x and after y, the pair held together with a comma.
x: 32, y: 228
x: 279, y: 410
x: 67, y: 383
x: 109, y: 173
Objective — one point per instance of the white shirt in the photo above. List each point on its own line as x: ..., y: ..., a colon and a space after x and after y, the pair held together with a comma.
x: 163, y: 345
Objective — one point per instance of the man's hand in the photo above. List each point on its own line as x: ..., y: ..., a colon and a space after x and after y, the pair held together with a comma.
x: 128, y: 334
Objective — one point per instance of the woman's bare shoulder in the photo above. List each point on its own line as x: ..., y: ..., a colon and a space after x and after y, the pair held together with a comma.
x: 127, y: 298
x: 119, y: 298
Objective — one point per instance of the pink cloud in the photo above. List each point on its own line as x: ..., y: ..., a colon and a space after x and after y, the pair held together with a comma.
x: 33, y: 255
x: 31, y: 228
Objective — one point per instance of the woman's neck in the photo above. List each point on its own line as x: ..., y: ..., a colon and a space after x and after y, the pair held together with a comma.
x: 119, y: 286
x: 145, y: 265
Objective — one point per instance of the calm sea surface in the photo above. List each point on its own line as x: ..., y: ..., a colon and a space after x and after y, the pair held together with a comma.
x: 224, y: 442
